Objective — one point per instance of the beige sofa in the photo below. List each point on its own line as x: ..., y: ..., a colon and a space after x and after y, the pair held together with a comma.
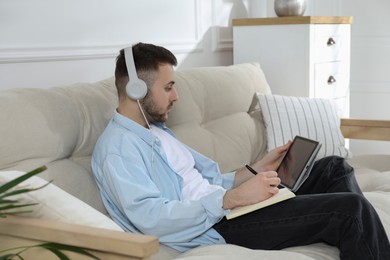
x: 218, y: 115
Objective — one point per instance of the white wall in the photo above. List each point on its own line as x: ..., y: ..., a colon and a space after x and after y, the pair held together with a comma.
x: 370, y: 66
x: 53, y: 42
x: 45, y: 43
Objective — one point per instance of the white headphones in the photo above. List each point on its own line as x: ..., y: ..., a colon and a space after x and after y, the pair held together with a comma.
x: 136, y: 88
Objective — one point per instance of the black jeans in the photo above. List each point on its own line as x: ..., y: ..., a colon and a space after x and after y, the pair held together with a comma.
x: 329, y: 208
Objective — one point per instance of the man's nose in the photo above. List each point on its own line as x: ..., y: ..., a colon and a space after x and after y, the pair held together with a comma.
x: 175, y: 95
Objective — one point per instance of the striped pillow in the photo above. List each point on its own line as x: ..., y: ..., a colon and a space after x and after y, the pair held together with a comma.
x: 314, y: 118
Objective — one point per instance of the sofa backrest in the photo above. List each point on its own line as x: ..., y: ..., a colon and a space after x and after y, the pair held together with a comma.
x: 217, y: 113
x: 58, y: 127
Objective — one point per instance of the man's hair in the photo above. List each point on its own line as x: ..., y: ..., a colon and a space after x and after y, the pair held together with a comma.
x: 147, y: 58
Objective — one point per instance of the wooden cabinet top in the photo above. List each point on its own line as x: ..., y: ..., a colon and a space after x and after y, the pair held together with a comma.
x: 293, y: 20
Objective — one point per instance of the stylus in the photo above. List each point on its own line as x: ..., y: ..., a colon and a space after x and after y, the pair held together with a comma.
x: 250, y: 169
x: 280, y: 186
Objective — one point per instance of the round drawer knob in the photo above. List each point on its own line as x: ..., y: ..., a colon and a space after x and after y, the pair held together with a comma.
x: 331, y: 42
x: 331, y: 80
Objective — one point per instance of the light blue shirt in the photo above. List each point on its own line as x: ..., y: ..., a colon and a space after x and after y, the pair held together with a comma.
x: 142, y: 193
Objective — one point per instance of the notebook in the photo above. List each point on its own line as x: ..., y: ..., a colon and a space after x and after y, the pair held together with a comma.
x: 283, y: 194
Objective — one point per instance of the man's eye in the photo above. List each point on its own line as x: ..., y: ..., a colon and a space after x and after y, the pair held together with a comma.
x: 169, y: 86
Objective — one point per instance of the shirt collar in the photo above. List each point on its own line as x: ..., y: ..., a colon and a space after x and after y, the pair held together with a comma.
x: 134, y: 127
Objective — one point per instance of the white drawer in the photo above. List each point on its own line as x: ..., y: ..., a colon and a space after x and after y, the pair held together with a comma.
x: 331, y: 80
x: 331, y: 42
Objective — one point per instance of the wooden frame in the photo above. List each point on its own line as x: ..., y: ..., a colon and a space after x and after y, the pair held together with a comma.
x: 293, y: 20
x: 102, y: 243
x: 366, y: 129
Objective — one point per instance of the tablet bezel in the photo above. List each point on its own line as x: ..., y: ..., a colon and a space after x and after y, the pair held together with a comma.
x: 306, y: 163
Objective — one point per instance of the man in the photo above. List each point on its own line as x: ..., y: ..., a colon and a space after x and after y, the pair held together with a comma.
x: 153, y: 184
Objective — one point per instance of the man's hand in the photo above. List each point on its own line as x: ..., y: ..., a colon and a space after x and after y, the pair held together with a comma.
x: 258, y: 188
x: 271, y: 161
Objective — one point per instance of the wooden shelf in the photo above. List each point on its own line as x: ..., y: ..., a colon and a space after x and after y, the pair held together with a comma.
x: 293, y: 20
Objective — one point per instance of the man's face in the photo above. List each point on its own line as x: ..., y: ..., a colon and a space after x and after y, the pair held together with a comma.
x: 159, y: 101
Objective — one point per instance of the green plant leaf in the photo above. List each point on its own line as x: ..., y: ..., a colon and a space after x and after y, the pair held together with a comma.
x: 8, y: 257
x: 21, y: 191
x: 13, y: 206
x: 58, y: 253
x: 2, y: 201
x: 75, y: 249
x: 14, y: 213
x: 11, y: 184
x: 7, y: 204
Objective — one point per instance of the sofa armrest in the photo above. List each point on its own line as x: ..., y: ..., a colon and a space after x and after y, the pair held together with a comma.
x: 365, y: 129
x: 102, y: 243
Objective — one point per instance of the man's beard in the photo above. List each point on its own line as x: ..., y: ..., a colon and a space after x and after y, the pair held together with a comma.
x: 152, y: 112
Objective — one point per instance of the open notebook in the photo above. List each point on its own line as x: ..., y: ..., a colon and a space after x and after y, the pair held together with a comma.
x: 282, y: 195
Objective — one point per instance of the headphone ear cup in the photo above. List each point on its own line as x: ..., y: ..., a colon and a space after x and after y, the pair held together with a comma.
x: 136, y: 88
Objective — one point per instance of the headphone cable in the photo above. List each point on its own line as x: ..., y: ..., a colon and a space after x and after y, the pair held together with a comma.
x: 143, y: 114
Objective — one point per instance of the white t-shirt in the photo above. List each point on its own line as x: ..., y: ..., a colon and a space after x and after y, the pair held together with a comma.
x: 182, y: 162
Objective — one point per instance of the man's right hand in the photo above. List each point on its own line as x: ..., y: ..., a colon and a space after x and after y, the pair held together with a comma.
x: 258, y: 188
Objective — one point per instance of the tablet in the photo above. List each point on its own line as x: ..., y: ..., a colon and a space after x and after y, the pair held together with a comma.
x: 298, y: 162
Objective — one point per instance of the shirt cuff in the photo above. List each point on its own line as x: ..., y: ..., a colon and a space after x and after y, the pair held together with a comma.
x: 213, y: 203
x: 228, y: 180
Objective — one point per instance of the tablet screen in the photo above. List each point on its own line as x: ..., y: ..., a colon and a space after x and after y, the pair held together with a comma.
x: 296, y: 160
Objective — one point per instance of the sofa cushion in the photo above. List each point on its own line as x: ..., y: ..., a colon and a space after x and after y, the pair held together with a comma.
x: 372, y: 172
x: 52, y: 203
x: 314, y: 118
x: 214, y: 113
x: 233, y: 252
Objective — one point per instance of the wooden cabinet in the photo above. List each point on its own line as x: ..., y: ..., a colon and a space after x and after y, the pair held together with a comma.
x: 300, y: 55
